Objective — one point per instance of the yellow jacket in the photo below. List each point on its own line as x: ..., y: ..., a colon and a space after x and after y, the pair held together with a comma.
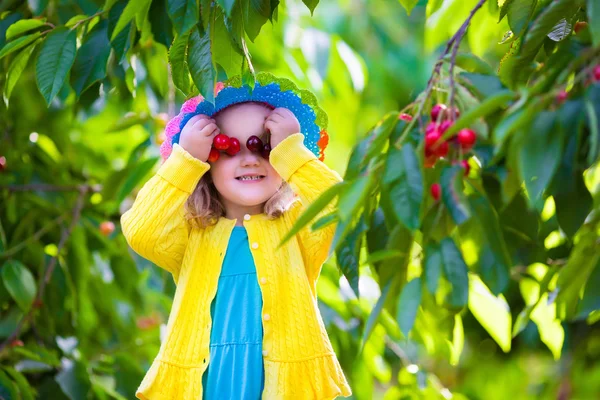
x: 298, y: 357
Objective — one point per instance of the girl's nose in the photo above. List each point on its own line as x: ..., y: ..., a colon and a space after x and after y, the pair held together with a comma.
x: 250, y: 159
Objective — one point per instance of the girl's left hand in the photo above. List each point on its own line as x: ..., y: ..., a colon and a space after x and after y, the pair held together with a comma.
x: 281, y: 123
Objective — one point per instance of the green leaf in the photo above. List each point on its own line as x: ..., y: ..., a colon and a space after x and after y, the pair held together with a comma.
x: 539, y: 154
x: 451, y: 182
x: 375, y: 313
x: 140, y: 171
x: 54, y: 61
x: 122, y: 42
x: 130, y: 11
x: 20, y: 283
x: 313, y: 210
x: 549, y: 327
x: 593, y: 12
x: 200, y: 62
x: 539, y: 29
x: 25, y: 389
x: 74, y: 380
x: 471, y: 63
x: 482, y: 237
x: 256, y: 13
x: 18, y: 44
x: 380, y: 134
x: 493, y: 313
x: 183, y: 13
x: 353, y: 196
x: 8, y: 388
x: 592, y: 108
x: 15, y: 70
x: 455, y: 271
x: 486, y: 108
x: 404, y: 181
x: 311, y: 4
x: 574, y: 275
x: 433, y: 266
x: 409, y: 5
x: 519, y: 14
x: 22, y: 26
x: 90, y: 62
x: 591, y: 295
x: 357, y: 163
x: 408, y: 305
x: 227, y: 6
x: 226, y: 52
x: 348, y: 254
x: 162, y: 27
x: 505, y: 6
x: 178, y: 60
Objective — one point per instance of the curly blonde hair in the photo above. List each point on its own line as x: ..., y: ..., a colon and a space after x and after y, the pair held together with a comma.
x: 204, y: 207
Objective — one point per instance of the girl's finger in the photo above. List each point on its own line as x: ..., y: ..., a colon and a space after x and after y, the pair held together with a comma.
x: 269, y: 125
x: 201, y: 124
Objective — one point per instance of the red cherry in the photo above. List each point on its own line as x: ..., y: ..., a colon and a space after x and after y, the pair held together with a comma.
x: 221, y: 142
x: 596, y: 73
x: 254, y: 144
x: 430, y: 127
x: 107, y: 227
x: 213, y: 155
x: 562, y: 96
x: 266, y: 151
x: 436, y: 191
x: 445, y: 126
x: 436, y: 110
x: 2, y: 163
x: 435, y: 146
x: 405, y: 117
x: 466, y: 138
x: 441, y: 150
x: 466, y: 166
x: 16, y: 343
x: 234, y: 146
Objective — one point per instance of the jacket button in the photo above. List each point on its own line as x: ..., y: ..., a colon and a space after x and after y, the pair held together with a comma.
x: 247, y: 217
x: 255, y: 245
x: 263, y: 280
x: 266, y: 317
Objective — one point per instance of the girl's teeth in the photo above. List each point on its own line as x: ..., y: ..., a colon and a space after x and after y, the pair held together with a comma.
x: 249, y: 178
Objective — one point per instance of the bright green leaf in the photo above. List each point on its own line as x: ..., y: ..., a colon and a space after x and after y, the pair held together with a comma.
x: 20, y: 283
x: 54, y: 61
x: 22, y: 26
x: 493, y: 313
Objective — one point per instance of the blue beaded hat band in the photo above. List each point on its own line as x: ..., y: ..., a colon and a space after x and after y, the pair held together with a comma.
x: 275, y: 92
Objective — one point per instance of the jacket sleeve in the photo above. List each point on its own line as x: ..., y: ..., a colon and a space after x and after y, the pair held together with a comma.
x: 155, y: 226
x: 309, y: 178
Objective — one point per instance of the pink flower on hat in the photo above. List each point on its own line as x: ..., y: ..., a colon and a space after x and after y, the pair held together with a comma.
x: 172, y: 127
x: 218, y: 87
x: 190, y: 105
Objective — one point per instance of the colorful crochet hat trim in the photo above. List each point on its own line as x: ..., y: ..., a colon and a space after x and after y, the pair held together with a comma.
x: 276, y: 92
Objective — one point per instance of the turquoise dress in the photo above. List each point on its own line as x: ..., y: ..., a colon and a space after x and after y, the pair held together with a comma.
x: 236, y: 368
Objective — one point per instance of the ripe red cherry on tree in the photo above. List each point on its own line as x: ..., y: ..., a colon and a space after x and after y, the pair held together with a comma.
x: 436, y: 191
x: 466, y: 138
x: 221, y: 142
x: 562, y: 96
x: 213, y: 155
x: 254, y: 144
x: 436, y: 110
x: 107, y: 227
x: 234, y: 147
x: 434, y: 145
x: 405, y: 117
x: 2, y: 163
x: 596, y: 73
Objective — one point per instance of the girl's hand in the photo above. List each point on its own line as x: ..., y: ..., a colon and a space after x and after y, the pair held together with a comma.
x: 197, y: 136
x: 281, y: 123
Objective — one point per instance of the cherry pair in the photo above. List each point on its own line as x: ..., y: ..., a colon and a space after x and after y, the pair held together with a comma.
x: 232, y: 146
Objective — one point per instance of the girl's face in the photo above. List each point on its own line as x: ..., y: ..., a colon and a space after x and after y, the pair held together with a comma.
x: 242, y: 121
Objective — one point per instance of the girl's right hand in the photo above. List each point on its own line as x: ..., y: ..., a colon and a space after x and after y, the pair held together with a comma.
x: 197, y: 136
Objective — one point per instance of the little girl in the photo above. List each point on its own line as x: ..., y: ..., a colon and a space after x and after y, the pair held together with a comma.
x: 245, y: 323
